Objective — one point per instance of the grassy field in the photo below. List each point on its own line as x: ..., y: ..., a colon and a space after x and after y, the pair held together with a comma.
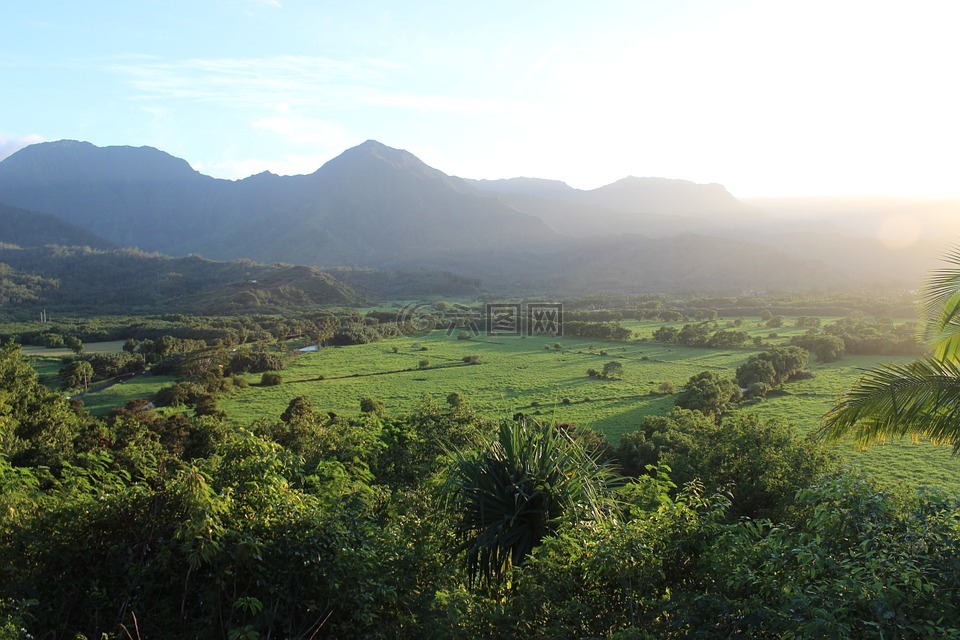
x: 47, y: 363
x: 531, y: 375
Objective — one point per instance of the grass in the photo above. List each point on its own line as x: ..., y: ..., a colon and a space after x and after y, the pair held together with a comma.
x: 47, y: 363
x: 520, y: 374
x: 530, y: 375
x: 145, y: 386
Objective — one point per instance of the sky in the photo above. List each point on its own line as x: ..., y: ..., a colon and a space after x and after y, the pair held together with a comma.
x: 769, y: 98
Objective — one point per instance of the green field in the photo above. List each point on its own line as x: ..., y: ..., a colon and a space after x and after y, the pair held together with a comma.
x: 531, y: 375
x: 47, y: 362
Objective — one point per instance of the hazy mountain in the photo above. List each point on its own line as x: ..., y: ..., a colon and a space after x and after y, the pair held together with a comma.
x: 129, y: 196
x: 371, y: 205
x: 124, y: 280
x: 897, y: 220
x: 32, y: 229
x: 655, y: 207
x: 374, y: 207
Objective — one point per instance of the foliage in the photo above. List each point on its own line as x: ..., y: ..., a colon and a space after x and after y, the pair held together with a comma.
x: 597, y: 330
x: 708, y: 392
x: 612, y: 370
x: 773, y: 367
x: 761, y: 462
x: 517, y: 490
x: 859, y: 563
x: 922, y: 397
x: 614, y: 577
x: 270, y: 379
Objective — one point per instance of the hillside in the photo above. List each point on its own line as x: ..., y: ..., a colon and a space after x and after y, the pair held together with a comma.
x: 369, y: 206
x: 382, y: 209
x: 128, y: 280
x: 654, y: 207
x: 32, y: 229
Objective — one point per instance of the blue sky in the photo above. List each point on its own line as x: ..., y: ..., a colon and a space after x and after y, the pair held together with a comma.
x: 765, y: 97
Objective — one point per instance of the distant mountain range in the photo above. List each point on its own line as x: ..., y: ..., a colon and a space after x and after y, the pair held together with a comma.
x: 374, y: 207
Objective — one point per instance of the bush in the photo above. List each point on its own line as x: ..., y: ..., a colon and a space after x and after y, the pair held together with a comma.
x: 270, y: 379
x: 463, y: 335
x: 667, y: 388
x: 612, y: 370
x: 472, y: 359
x: 423, y: 364
x: 372, y: 406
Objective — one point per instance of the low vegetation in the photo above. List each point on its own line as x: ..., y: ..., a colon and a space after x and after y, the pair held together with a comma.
x: 673, y: 492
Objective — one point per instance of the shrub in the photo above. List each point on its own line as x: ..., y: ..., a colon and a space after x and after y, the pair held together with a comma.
x: 372, y: 406
x: 423, y: 364
x: 612, y: 370
x: 270, y: 379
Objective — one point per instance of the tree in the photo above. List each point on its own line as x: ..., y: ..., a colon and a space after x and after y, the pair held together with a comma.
x: 709, y: 393
x: 76, y: 373
x: 828, y: 348
x: 516, y: 490
x: 74, y: 344
x: 372, y: 406
x: 921, y: 398
x: 613, y: 369
x: 783, y: 362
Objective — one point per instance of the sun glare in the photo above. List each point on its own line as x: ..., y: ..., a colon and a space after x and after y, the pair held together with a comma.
x: 900, y: 231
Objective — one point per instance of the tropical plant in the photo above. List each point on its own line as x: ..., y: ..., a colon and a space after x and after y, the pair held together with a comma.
x: 921, y: 398
x: 518, y: 489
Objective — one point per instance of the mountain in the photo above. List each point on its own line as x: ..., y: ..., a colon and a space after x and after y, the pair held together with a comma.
x: 126, y: 280
x: 650, y: 206
x: 33, y: 229
x: 374, y: 209
x: 370, y: 206
x: 129, y: 196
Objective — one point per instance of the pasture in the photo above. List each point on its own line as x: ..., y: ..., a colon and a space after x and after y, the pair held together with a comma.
x: 533, y: 376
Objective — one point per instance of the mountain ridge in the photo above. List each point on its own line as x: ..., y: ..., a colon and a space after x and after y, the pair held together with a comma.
x: 377, y: 207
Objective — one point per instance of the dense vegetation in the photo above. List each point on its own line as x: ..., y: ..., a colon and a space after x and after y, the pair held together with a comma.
x: 708, y: 518
x: 309, y: 524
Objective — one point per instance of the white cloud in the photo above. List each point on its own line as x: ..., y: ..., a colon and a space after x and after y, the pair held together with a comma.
x: 301, y: 129
x: 304, y: 81
x: 11, y: 144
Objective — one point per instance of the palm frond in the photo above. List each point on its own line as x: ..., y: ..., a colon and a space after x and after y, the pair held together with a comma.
x: 944, y: 334
x: 940, y: 298
x: 920, y: 398
x: 516, y: 490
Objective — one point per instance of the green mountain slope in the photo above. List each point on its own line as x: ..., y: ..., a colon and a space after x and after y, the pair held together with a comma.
x: 31, y: 229
x: 128, y: 280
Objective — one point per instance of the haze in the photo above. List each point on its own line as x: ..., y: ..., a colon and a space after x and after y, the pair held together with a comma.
x: 768, y: 99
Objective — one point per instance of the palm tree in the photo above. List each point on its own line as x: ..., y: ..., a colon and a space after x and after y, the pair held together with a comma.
x: 920, y: 398
x: 519, y: 488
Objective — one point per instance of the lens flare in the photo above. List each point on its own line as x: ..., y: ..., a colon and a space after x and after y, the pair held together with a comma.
x: 898, y: 232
